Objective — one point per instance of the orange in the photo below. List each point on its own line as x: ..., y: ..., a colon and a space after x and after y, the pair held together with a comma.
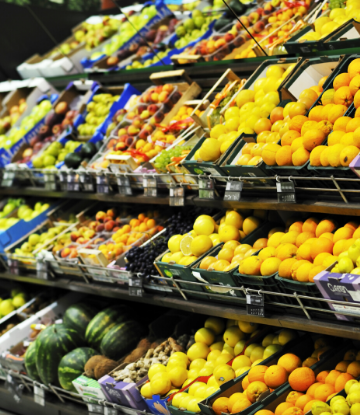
x: 293, y: 411
x: 319, y: 259
x: 343, y: 233
x: 315, y: 271
x: 311, y: 391
x: 340, y: 80
x: 324, y: 158
x: 354, y: 68
x: 277, y: 114
x: 320, y: 246
x: 284, y: 156
x: 262, y: 124
x: 247, y: 148
x: 226, y: 253
x: 356, y: 234
x: 315, y: 113
x: 321, y: 82
x: 339, y: 247
x: 302, y: 401
x: 264, y: 412
x: 293, y: 396
x: 343, y: 96
x: 354, y: 369
x: 348, y: 154
x: 245, y: 383
x: 313, y: 138
x: 257, y: 373
x: 206, y: 262
x: 304, y: 236
x: 352, y: 125
x: 341, y: 123
x: 296, y: 144
x: 269, y: 154
x: 296, y: 266
x: 357, y: 100
x: 335, y: 137
x: 260, y: 243
x: 355, y: 84
x: 326, y: 111
x: 255, y: 389
x: 288, y: 138
x: 331, y: 377
x: 310, y: 360
x: 336, y: 112
x: 315, y: 155
x: 285, y: 268
x: 221, y: 405
x: 328, y: 97
x: 275, y: 376
x: 233, y: 398
x: 302, y: 274
x: 309, y: 125
x: 304, y: 252
x: 297, y: 122
x: 341, y: 381
x: 261, y: 138
x: 301, y: 379
x: 296, y: 226
x: 347, y: 139
x: 289, y: 362
x: 298, y: 108
x: 352, y: 225
x: 300, y: 157
x: 308, y: 94
x: 327, y: 235
x: 325, y: 126
x: 325, y: 225
x: 310, y: 225
x: 322, y: 376
x: 283, y: 407
x: 323, y: 391
x: 240, y: 405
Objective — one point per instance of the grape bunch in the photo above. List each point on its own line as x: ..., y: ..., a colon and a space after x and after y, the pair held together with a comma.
x: 141, y: 259
x: 166, y: 155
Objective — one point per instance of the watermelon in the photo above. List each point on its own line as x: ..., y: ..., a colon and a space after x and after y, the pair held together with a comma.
x: 72, y: 366
x: 51, y: 345
x: 121, y: 338
x: 78, y: 316
x: 30, y: 362
x: 102, y: 323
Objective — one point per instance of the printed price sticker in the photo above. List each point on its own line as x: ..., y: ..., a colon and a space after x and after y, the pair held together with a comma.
x: 73, y: 182
x: 286, y: 192
x: 124, y: 187
x: 135, y: 287
x: 206, y: 184
x: 102, y: 184
x: 110, y: 411
x: 39, y: 396
x: 87, y: 182
x: 8, y: 179
x: 95, y: 409
x: 176, y: 196
x: 233, y: 191
x: 255, y: 305
x: 150, y: 188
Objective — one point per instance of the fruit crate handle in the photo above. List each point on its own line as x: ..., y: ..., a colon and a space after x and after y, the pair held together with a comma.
x: 158, y: 76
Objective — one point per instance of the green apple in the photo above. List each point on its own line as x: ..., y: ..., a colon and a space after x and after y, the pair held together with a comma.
x: 43, y: 236
x: 34, y: 239
x: 6, y: 307
x: 38, y: 162
x: 268, y: 340
x: 26, y: 247
x: 345, y: 265
x: 18, y: 301
x: 49, y: 160
x: 14, y: 292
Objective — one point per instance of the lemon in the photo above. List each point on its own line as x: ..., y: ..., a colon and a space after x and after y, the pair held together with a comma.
x: 198, y: 363
x: 241, y: 361
x: 247, y: 327
x: 200, y: 392
x: 239, y: 347
x: 167, y: 257
x: 241, y: 370
x: 200, y: 245
x: 212, y: 237
x: 206, y: 371
x: 146, y: 391
x: 217, y: 346
x: 212, y: 382
x: 234, y: 218
x: 232, y: 124
x: 187, y: 260
x: 275, y: 71
x: 184, y: 401
x: 172, y: 363
x: 210, y: 390
x: 197, y: 155
x: 178, y: 375
x: 187, y: 381
x: 245, y: 96
x: 161, y: 384
x: 177, y: 257
x: 204, y: 226
x: 174, y: 243
x: 213, y: 355
x: 224, y: 373
x: 176, y: 399
x: 232, y: 112
x: 180, y: 356
x: 228, y: 349
x: 198, y: 351
x: 185, y: 245
x: 193, y: 406
x: 232, y: 335
x: 223, y: 359
x: 210, y: 363
x: 156, y: 368
x: 194, y: 387
x: 205, y: 335
x: 217, y: 131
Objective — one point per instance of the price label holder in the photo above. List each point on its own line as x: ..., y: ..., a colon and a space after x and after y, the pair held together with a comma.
x: 95, y: 409
x: 63, y: 180
x: 8, y: 178
x: 233, y: 191
x: 39, y: 395
x: 177, y: 196
x: 86, y: 181
x: 50, y: 181
x: 102, y: 184
x: 206, y: 188
x: 110, y: 411
x: 73, y: 182
x: 136, y: 287
x: 124, y: 186
x: 150, y: 186
x: 255, y: 305
x: 286, y: 192
x: 14, y: 388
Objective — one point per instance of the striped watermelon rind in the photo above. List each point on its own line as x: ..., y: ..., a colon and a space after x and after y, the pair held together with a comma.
x: 121, y: 338
x: 30, y: 362
x: 51, y: 345
x: 102, y: 323
x: 78, y: 317
x: 72, y: 366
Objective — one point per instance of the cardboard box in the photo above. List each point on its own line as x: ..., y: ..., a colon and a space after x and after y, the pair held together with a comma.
x: 89, y: 388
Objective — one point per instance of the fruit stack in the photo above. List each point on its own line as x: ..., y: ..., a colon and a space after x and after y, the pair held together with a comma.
x: 15, y: 112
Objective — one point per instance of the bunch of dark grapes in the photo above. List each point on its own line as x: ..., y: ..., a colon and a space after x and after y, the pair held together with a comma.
x: 141, y: 259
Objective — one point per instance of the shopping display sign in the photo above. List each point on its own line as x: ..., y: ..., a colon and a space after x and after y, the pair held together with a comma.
x: 150, y: 186
x: 73, y: 182
x: 286, y: 192
x: 206, y: 188
x: 110, y: 411
x: 124, y: 186
x: 233, y: 191
x: 39, y: 396
x: 136, y: 287
x: 255, y: 305
x: 177, y: 196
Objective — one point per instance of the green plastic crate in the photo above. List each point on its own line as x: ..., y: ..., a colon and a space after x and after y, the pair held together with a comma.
x: 338, y: 40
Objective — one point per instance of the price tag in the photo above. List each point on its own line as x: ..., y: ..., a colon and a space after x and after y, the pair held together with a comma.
x: 95, y: 409
x: 135, y: 287
x: 255, y: 305
x: 233, y: 191
x: 102, y: 184
x: 124, y: 187
x: 73, y: 184
x: 286, y: 192
x: 87, y: 182
x: 206, y: 188
x: 8, y: 178
x: 14, y: 388
x: 177, y: 196
x: 39, y: 396
x: 63, y: 180
x: 110, y: 411
x: 150, y: 187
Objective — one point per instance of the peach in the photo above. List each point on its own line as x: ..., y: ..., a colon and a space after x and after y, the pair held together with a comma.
x: 100, y: 216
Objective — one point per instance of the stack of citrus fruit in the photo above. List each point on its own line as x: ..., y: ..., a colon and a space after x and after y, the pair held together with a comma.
x: 185, y: 249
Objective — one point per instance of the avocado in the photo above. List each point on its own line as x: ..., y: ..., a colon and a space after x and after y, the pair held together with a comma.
x: 73, y: 160
x: 88, y: 150
x: 221, y: 23
x: 238, y: 8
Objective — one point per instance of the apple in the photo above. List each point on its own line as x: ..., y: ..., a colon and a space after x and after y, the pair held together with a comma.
x: 65, y: 252
x: 153, y: 109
